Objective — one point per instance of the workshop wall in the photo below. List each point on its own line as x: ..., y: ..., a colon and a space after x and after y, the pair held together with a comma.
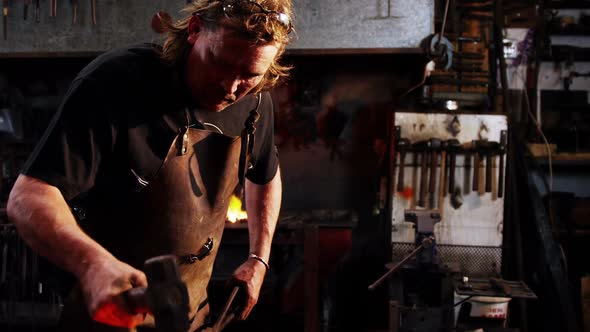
x: 327, y: 24
x: 115, y: 23
x: 331, y: 126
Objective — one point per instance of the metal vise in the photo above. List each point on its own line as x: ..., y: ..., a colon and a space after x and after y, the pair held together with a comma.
x: 425, y: 221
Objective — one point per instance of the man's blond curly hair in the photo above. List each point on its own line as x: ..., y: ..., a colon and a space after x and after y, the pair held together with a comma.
x: 176, y: 46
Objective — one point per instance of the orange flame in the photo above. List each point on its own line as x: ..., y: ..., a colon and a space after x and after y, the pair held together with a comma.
x: 235, y: 212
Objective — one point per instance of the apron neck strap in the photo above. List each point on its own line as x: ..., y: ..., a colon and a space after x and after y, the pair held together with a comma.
x: 248, y: 138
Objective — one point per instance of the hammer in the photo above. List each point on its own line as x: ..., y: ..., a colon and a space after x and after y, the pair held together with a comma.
x: 485, y: 149
x: 402, y: 146
x: 502, y: 151
x: 435, y: 146
x: 490, y: 147
x: 166, y: 296
x: 443, y: 172
x: 453, y: 145
x: 476, y: 165
x: 424, y: 148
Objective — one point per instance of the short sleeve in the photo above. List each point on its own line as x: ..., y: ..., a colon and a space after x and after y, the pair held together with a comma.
x: 266, y: 155
x: 79, y: 137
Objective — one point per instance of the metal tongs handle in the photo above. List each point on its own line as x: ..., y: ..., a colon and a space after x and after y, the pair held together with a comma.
x: 226, y: 317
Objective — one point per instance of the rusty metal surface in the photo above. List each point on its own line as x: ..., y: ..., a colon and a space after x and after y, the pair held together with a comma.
x: 326, y: 24
x: 362, y: 24
x: 118, y: 23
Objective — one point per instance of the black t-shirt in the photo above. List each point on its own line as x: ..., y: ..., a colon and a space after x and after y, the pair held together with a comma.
x: 118, y: 120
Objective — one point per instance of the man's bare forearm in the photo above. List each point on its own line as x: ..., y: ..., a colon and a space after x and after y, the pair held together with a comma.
x: 263, y: 203
x: 45, y: 222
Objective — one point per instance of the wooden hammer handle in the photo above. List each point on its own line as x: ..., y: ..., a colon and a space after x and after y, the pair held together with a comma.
x: 402, y: 166
x: 476, y: 165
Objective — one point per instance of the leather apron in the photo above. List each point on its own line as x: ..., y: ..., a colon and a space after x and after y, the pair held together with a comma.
x: 181, y: 211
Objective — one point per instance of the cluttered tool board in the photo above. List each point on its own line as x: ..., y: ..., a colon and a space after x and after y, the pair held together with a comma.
x: 468, y: 190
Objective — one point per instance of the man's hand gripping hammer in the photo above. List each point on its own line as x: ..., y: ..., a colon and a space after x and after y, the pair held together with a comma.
x: 166, y: 296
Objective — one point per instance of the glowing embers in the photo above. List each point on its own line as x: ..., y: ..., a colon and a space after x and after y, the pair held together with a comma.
x: 235, y: 212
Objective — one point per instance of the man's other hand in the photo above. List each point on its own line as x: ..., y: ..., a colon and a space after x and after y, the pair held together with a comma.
x: 249, y: 276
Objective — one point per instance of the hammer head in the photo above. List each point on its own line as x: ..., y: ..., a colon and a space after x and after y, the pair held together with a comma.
x: 167, y: 295
x: 435, y: 144
x: 402, y: 143
x: 485, y: 145
x: 453, y: 144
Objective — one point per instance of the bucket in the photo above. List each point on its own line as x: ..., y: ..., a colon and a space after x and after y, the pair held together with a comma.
x: 484, y: 306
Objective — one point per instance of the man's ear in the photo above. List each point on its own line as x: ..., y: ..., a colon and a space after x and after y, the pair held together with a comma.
x: 195, y: 24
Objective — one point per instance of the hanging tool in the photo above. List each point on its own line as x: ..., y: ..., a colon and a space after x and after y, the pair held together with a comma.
x: 476, y: 166
x: 483, y: 149
x: 502, y: 151
x: 74, y: 11
x: 5, y: 18
x: 93, y: 11
x: 423, y: 147
x: 442, y: 176
x: 402, y: 146
x: 453, y: 146
x: 37, y: 11
x: 489, y: 149
x: 435, y: 146
x: 53, y: 8
x: 423, y: 178
x: 26, y: 5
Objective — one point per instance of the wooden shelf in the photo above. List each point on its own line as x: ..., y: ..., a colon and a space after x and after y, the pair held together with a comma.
x: 571, y: 156
x: 566, y: 159
x: 567, y: 4
x: 578, y: 232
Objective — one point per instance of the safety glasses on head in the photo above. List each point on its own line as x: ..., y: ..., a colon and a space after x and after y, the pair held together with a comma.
x: 251, y: 9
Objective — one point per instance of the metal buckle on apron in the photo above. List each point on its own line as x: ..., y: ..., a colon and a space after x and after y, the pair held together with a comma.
x: 203, y: 252
x: 184, y: 142
x: 183, y: 134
